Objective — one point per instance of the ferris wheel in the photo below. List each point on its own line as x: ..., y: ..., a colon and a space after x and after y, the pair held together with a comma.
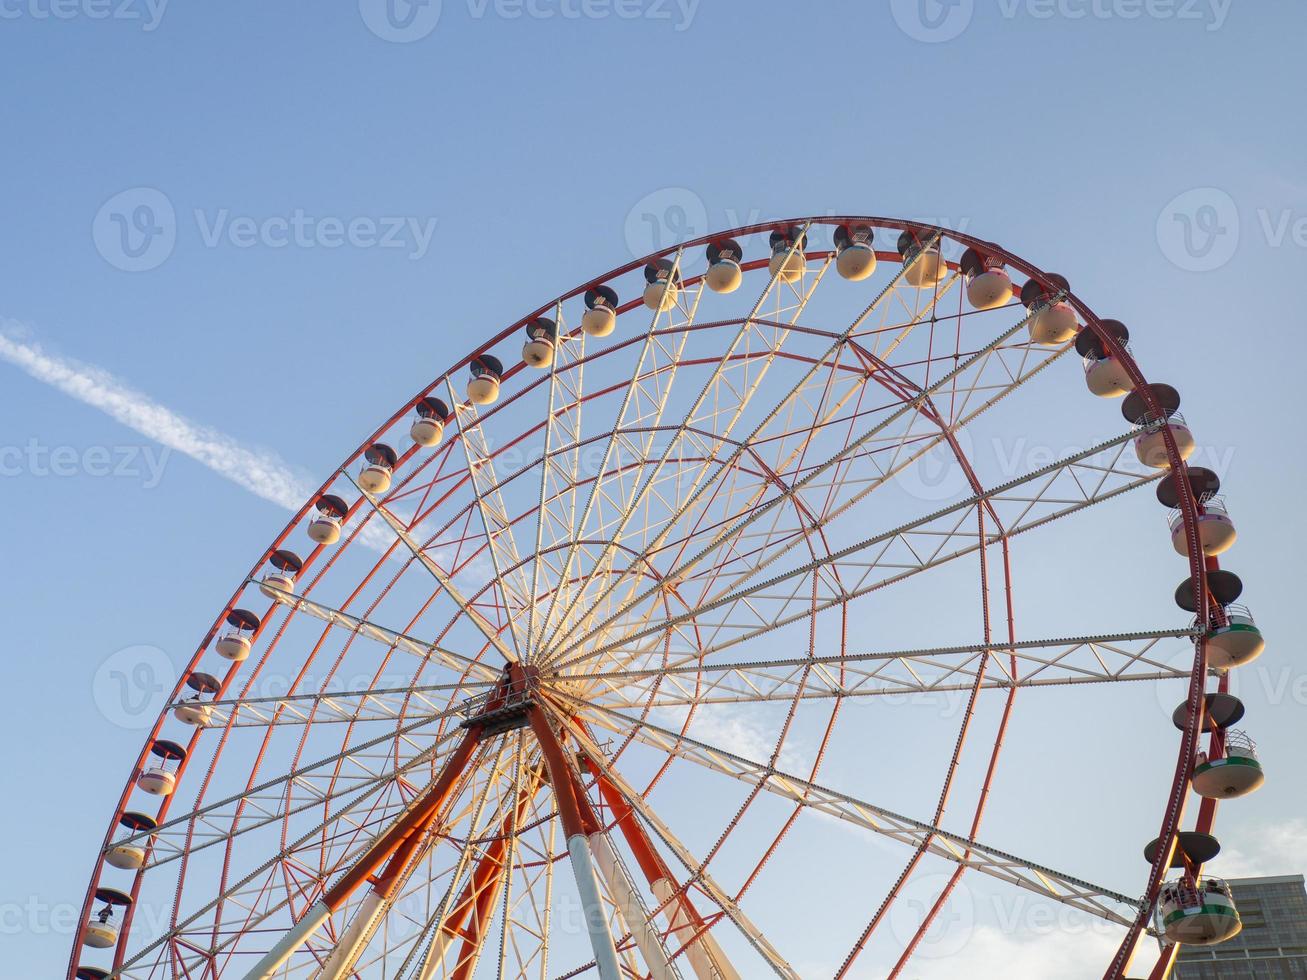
x: 607, y: 653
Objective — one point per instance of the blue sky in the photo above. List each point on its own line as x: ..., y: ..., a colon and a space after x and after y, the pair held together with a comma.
x: 354, y: 203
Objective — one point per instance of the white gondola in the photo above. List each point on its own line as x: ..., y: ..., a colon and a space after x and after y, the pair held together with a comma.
x: 485, y: 374
x: 542, y: 337
x: 194, y: 710
x: 724, y: 274
x: 855, y: 259
x: 100, y: 931
x: 787, y: 256
x: 128, y: 853
x: 280, y: 579
x: 988, y: 284
x: 1052, y: 319
x: 1105, y: 375
x: 235, y: 641
x: 378, y: 467
x: 662, y: 286
x: 1216, y: 531
x: 1152, y: 410
x: 429, y: 427
x: 1198, y: 913
x: 924, y: 266
x: 160, y: 778
x: 1150, y: 443
x: 1236, y: 643
x: 324, y: 527
x: 600, y: 316
x: 1237, y: 773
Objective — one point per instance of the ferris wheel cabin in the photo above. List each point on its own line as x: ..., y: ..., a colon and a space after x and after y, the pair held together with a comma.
x: 324, y: 527
x: 988, y: 284
x: 100, y: 931
x: 1052, y: 319
x: 280, y: 579
x: 662, y: 285
x: 787, y: 257
x: 924, y: 266
x: 235, y: 641
x: 855, y: 259
x: 160, y: 778
x: 194, y: 710
x: 724, y: 274
x: 485, y: 373
x: 128, y: 853
x: 378, y: 468
x: 1105, y: 375
x: 429, y: 427
x: 541, y: 337
x: 600, y: 316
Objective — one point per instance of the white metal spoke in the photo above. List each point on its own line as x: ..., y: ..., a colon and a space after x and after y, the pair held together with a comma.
x: 707, y: 475
x: 1071, y: 660
x: 721, y: 397
x: 910, y: 407
x: 698, y: 872
x: 1059, y: 887
x: 563, y: 346
x: 387, y: 637
x: 244, y: 885
x: 268, y: 802
x: 474, y: 616
x: 369, y: 704
x: 658, y: 363
x: 903, y: 551
x: 496, y: 521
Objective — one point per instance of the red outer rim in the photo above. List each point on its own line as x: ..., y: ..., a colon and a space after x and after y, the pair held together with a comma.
x: 1199, y: 565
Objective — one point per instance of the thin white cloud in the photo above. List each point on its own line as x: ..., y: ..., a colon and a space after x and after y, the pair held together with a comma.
x: 260, y: 471
x: 992, y: 952
x: 1278, y: 848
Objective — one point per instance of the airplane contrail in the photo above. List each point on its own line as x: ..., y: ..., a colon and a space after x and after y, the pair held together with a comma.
x: 260, y: 471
